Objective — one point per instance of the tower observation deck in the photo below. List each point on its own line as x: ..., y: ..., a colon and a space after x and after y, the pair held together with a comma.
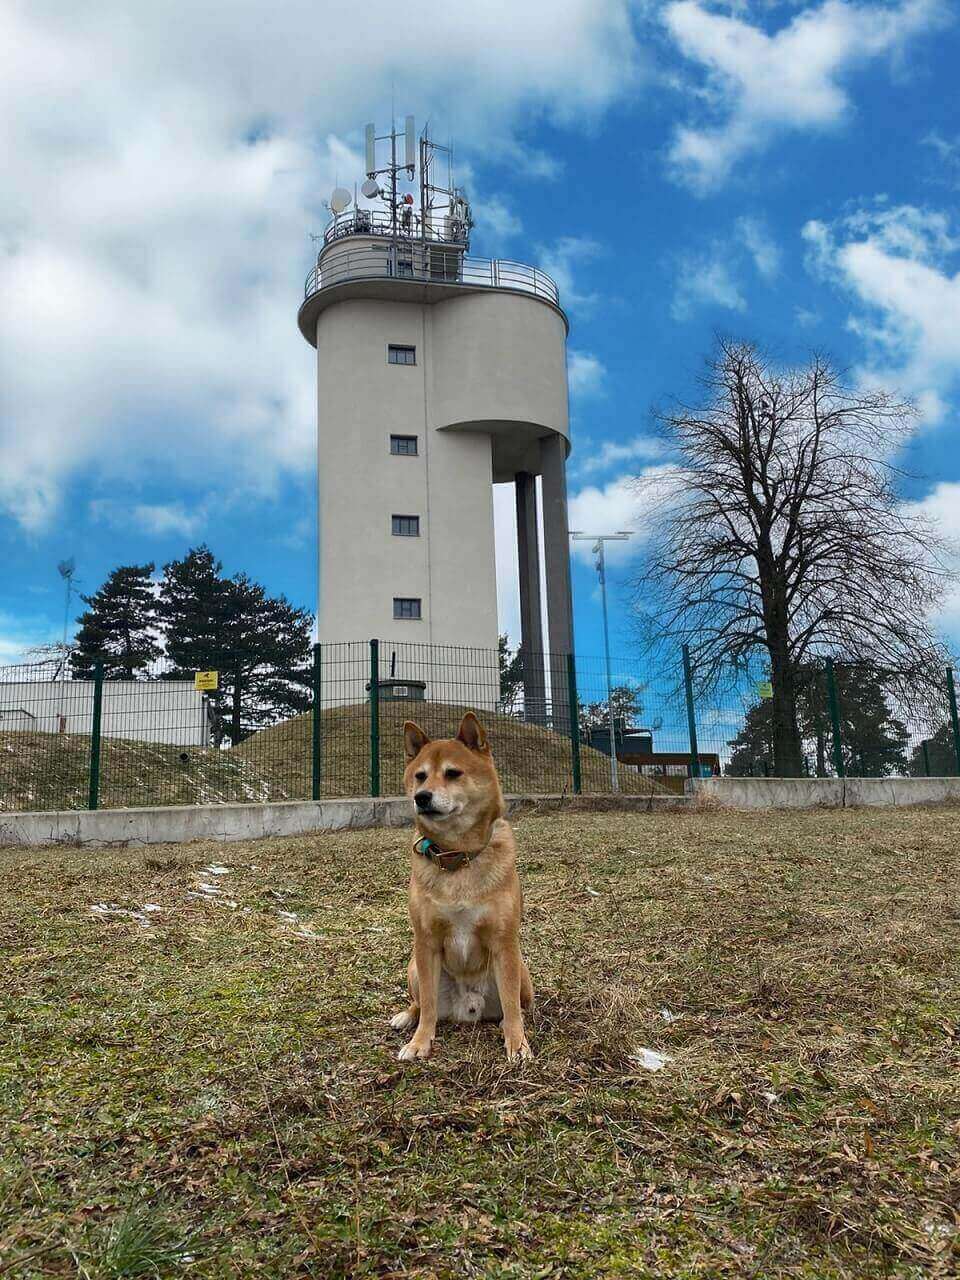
x: 438, y: 374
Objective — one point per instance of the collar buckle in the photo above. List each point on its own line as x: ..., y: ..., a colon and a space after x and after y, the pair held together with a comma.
x: 449, y: 860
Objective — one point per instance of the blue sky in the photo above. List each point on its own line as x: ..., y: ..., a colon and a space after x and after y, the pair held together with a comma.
x: 781, y: 172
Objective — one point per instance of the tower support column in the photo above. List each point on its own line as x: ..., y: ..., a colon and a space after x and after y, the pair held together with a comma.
x: 556, y: 548
x: 531, y: 625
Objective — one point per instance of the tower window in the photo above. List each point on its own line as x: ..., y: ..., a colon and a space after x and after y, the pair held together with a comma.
x: 401, y: 355
x: 405, y: 526
x: 407, y: 607
x: 405, y: 446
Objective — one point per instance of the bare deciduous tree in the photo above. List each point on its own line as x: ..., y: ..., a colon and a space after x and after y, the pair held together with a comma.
x: 782, y: 535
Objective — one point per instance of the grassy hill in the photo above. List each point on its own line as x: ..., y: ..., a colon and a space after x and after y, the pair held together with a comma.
x: 529, y: 758
x: 51, y: 771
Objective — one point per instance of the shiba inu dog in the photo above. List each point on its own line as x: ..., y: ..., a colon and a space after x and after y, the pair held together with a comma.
x: 465, y: 899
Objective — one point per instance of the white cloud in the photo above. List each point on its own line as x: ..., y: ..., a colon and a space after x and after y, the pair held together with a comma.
x: 495, y: 219
x: 20, y: 635
x: 896, y: 264
x: 585, y: 373
x: 589, y: 458
x: 162, y: 168
x: 941, y: 506
x: 947, y: 153
x: 565, y: 259
x: 529, y: 162
x: 756, y: 86
x: 157, y: 518
x: 617, y: 506
x: 806, y: 318
x: 760, y: 245
x: 714, y: 276
x: 705, y: 280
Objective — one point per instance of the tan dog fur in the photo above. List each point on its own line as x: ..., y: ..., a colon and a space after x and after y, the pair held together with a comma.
x: 466, y: 963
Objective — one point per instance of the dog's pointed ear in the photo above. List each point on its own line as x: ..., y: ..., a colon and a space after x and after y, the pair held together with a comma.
x: 471, y: 733
x: 414, y: 739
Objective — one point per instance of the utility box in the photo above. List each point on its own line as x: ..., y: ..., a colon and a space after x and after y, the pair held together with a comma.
x: 402, y: 690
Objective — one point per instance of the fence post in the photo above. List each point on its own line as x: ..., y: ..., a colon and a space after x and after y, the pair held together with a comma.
x: 93, y: 798
x: 374, y: 717
x: 574, y: 723
x: 835, y: 719
x: 316, y: 743
x: 924, y: 746
x: 952, y: 695
x: 691, y: 717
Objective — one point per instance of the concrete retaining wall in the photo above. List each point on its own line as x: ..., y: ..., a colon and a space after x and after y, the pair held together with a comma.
x: 176, y: 824
x: 823, y: 793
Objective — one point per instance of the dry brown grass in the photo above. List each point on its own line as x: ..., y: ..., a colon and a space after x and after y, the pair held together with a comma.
x: 215, y: 1093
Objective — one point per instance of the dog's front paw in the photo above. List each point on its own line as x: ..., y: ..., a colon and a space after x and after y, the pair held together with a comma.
x: 404, y: 1020
x: 517, y: 1047
x: 415, y: 1048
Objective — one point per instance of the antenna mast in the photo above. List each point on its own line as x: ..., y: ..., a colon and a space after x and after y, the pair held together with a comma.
x: 437, y: 201
x: 449, y: 200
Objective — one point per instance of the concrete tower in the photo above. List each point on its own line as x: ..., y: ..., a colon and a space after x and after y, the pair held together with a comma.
x: 438, y: 374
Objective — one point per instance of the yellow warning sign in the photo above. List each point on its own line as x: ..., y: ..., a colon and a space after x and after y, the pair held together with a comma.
x: 205, y: 680
x: 765, y: 689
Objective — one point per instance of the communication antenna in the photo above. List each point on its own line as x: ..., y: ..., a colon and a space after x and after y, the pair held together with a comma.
x: 410, y: 145
x: 393, y: 170
x: 444, y: 211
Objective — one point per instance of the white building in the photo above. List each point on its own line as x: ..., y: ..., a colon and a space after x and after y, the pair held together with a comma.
x: 438, y: 374
x: 169, y: 711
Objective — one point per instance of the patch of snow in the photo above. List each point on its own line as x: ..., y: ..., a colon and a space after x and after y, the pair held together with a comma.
x: 769, y: 1096
x: 668, y: 1015
x: 215, y: 899
x: 106, y: 909
x: 217, y: 870
x: 594, y: 893
x: 651, y: 1060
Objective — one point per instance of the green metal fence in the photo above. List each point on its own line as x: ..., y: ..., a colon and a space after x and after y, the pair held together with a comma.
x: 334, y: 727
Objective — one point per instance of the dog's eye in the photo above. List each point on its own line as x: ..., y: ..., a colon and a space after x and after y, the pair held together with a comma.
x: 421, y: 775
x: 453, y: 773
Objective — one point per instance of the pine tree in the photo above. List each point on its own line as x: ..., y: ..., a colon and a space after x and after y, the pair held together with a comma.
x: 120, y: 626
x: 259, y: 644
x: 511, y: 674
x: 941, y: 755
x: 753, y: 746
x: 873, y: 739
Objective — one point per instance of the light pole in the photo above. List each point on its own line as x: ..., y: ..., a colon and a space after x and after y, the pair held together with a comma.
x: 598, y: 539
x: 66, y: 570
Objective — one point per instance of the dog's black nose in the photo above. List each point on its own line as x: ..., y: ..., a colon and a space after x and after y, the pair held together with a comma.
x: 423, y: 799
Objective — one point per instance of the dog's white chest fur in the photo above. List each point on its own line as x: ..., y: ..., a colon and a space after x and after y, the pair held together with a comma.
x: 462, y: 949
x: 468, y: 991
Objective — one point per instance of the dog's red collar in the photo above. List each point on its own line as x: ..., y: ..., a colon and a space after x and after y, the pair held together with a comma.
x: 445, y: 859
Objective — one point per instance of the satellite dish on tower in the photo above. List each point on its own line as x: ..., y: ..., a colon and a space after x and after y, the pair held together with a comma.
x: 370, y: 188
x: 340, y: 199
